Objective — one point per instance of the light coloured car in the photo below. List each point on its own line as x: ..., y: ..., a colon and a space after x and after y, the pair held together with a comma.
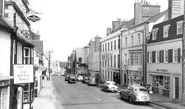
x: 92, y: 81
x: 135, y: 93
x: 79, y: 78
x: 109, y: 86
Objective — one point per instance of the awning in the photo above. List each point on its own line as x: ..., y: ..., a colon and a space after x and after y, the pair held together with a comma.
x: 3, y: 78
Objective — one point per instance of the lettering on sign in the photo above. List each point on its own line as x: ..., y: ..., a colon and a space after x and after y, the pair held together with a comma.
x: 4, y: 83
x: 162, y: 70
x: 23, y: 74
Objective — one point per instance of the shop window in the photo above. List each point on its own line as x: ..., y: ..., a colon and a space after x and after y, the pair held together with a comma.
x: 3, y: 98
x: 26, y: 93
x: 166, y: 82
x: 155, y: 82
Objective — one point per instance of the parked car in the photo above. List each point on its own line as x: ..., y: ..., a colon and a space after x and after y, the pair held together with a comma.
x: 135, y: 93
x: 109, y: 86
x: 79, y: 78
x: 85, y: 79
x: 92, y: 81
x: 66, y: 77
x: 72, y: 79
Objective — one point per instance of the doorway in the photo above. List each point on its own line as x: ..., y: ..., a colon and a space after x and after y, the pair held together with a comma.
x: 176, y: 88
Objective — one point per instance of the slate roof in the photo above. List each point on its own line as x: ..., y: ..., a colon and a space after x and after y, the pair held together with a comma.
x: 131, y: 23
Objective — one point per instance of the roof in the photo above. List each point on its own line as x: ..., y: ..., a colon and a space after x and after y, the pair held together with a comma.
x: 5, y: 25
x: 38, y: 45
x: 126, y: 24
x: 157, y: 16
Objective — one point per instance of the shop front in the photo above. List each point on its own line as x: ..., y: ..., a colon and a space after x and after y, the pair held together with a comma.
x: 5, y: 92
x: 167, y: 84
x: 134, y: 77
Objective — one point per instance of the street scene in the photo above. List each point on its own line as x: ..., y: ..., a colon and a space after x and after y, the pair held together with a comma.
x: 83, y: 96
x: 92, y: 54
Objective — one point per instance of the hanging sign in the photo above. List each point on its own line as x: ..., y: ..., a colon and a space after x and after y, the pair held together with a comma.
x: 23, y: 74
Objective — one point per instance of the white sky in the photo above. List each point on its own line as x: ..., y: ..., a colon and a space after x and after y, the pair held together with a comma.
x: 68, y: 24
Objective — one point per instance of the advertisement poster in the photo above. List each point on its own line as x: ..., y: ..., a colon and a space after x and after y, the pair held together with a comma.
x: 23, y: 74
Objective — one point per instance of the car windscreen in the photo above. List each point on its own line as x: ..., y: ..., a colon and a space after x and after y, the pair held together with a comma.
x: 142, y: 89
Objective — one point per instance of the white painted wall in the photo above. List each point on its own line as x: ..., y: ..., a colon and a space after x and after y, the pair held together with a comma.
x: 5, y: 42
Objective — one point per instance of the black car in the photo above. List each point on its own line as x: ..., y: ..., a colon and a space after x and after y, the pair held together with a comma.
x: 66, y: 77
x: 72, y: 79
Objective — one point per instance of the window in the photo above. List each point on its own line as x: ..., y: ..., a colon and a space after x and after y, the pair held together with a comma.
x: 154, y: 33
x: 19, y: 53
x: 132, y: 40
x: 166, y: 30
x: 111, y: 61
x: 150, y: 57
x: 155, y: 81
x: 139, y: 38
x: 111, y: 45
x: 26, y: 93
x: 118, y: 61
x: 135, y: 58
x: 114, y: 60
x: 26, y: 56
x: 108, y: 46
x: 125, y: 58
x: 126, y: 41
x: 166, y: 82
x: 114, y: 44
x: 157, y: 56
x: 166, y: 56
x: 3, y: 98
x: 179, y: 27
x: 118, y: 43
x: 105, y: 47
x: 175, y: 56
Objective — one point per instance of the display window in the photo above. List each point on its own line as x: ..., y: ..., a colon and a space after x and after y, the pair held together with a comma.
x: 166, y: 82
x: 26, y: 94
x: 3, y: 98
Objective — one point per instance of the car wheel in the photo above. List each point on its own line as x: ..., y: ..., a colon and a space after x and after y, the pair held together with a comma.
x: 146, y: 103
x: 106, y: 89
x: 130, y: 100
x: 120, y: 95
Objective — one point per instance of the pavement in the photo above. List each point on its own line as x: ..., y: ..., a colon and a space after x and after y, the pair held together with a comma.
x: 47, y: 100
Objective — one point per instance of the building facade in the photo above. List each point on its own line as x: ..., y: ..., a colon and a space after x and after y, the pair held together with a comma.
x: 164, y: 63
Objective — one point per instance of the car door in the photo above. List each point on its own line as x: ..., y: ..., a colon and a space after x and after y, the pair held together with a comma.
x: 128, y: 92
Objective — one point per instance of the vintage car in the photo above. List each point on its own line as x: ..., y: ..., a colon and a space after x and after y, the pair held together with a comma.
x: 109, y: 86
x: 85, y: 79
x: 135, y: 93
x: 72, y: 79
x: 79, y: 78
x: 92, y: 81
x: 66, y: 77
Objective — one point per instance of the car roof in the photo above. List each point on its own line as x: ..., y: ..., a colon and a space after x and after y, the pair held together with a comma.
x: 137, y: 86
x: 109, y: 81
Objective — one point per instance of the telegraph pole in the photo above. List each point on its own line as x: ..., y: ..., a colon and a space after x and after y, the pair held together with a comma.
x: 49, y: 62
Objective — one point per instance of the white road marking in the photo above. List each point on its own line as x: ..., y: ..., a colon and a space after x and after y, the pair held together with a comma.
x: 99, y: 99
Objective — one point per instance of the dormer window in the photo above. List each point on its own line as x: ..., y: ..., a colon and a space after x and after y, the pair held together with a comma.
x: 166, y: 30
x: 154, y: 33
x: 179, y: 27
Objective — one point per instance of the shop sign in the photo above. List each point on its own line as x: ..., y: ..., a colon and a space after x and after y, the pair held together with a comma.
x: 162, y: 70
x: 4, y: 83
x: 23, y: 74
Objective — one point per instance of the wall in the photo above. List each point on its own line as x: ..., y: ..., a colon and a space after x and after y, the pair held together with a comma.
x: 5, y: 53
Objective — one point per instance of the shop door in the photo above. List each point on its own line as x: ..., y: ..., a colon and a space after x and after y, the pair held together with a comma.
x: 177, y: 88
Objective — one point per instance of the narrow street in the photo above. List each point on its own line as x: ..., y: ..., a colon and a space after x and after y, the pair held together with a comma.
x: 82, y: 96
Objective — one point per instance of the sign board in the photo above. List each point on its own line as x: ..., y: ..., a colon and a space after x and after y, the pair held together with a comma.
x: 33, y: 18
x: 23, y: 74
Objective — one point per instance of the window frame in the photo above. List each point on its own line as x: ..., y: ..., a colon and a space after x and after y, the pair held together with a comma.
x: 175, y: 57
x: 157, y: 57
x: 179, y: 25
x: 166, y: 30
x: 166, y: 58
